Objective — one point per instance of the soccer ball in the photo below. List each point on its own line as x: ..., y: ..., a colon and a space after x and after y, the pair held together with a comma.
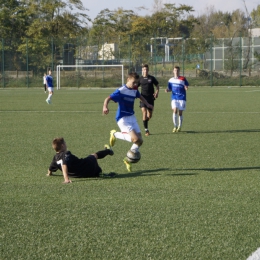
x: 133, y: 157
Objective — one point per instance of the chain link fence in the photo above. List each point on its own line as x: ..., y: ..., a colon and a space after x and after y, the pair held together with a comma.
x: 215, y: 62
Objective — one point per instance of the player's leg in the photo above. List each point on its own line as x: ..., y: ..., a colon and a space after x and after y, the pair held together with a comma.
x: 147, y: 113
x: 48, y: 100
x: 182, y: 107
x: 137, y: 140
x: 100, y: 155
x: 149, y: 116
x: 103, y: 153
x: 125, y: 125
x: 144, y: 116
x: 174, y: 114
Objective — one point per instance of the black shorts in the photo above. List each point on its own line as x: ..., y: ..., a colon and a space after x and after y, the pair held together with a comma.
x: 89, y: 168
x: 149, y: 99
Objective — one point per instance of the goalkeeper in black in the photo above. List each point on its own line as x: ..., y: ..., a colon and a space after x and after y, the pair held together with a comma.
x: 147, y: 83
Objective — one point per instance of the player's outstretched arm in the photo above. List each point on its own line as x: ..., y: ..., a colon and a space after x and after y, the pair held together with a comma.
x: 156, y: 94
x: 105, y: 106
x: 146, y: 103
x: 65, y: 174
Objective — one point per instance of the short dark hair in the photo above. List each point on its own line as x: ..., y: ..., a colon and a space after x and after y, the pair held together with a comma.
x: 177, y: 67
x: 133, y: 75
x: 57, y: 143
x: 145, y: 66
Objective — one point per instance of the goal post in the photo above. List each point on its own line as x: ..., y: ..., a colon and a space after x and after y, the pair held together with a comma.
x: 86, y: 68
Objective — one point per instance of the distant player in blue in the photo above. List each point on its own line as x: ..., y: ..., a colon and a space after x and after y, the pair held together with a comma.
x: 49, y: 84
x: 125, y: 116
x: 178, y: 86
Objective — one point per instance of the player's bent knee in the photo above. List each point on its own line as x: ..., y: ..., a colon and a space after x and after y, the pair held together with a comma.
x: 139, y: 141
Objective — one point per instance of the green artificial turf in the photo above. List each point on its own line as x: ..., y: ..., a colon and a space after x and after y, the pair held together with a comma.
x: 193, y: 195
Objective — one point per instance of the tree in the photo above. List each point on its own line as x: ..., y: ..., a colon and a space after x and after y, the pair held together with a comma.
x: 14, y: 22
x: 255, y: 16
x: 31, y: 28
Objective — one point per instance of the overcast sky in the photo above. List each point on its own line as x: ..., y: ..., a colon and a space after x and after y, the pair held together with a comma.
x: 95, y: 6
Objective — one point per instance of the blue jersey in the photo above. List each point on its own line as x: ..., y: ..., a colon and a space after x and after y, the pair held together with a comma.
x: 176, y: 85
x: 125, y: 97
x: 49, y: 81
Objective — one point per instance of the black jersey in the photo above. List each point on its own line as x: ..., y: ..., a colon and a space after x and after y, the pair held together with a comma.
x: 84, y: 167
x: 147, y: 85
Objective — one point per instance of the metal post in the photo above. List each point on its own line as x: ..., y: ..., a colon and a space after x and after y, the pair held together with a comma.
x: 155, y: 54
x: 129, y: 58
x: 211, y: 61
x: 27, y: 67
x: 240, y: 57
x: 183, y: 55
x: 103, y: 58
x: 52, y: 54
x: 3, y: 59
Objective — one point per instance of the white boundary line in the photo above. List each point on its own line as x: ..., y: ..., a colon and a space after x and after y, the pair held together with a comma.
x: 96, y: 111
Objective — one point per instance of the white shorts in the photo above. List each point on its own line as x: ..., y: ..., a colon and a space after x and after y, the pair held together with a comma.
x: 50, y: 89
x: 128, y: 124
x: 180, y: 104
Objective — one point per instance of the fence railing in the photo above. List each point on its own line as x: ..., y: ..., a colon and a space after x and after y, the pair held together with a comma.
x: 224, y: 62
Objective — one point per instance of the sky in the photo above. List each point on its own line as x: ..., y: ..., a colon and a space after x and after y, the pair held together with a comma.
x: 199, y: 6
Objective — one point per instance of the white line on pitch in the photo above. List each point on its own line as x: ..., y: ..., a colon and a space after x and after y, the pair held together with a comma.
x: 28, y: 111
x: 98, y: 111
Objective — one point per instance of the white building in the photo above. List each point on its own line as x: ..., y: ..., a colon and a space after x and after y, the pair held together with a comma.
x: 107, y: 51
x: 255, y: 32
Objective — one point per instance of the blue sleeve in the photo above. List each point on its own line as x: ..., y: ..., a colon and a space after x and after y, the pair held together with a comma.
x: 115, y: 96
x: 169, y: 86
x: 186, y: 82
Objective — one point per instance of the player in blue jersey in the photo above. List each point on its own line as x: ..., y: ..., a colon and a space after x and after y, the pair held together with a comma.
x: 49, y: 84
x: 125, y: 116
x: 178, y: 86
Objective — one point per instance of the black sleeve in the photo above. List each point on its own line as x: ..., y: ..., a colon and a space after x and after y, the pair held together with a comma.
x: 155, y: 82
x: 54, y: 166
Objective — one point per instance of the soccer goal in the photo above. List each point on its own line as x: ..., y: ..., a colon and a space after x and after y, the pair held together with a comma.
x: 89, y: 75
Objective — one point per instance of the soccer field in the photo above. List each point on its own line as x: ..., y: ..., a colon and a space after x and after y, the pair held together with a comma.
x: 193, y: 195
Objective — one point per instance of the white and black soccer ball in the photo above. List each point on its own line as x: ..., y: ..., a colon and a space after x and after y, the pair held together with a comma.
x: 133, y: 157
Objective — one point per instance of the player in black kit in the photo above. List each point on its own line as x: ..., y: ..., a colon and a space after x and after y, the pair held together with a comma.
x: 147, y: 83
x: 72, y: 166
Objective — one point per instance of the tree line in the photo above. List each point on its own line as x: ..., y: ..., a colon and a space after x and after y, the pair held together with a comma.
x: 36, y: 26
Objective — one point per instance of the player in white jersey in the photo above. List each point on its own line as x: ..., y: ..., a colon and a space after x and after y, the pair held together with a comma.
x: 125, y: 116
x: 178, y: 86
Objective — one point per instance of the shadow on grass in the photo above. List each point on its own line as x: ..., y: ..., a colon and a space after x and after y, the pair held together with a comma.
x: 142, y: 173
x: 223, y: 131
x: 212, y: 132
x: 223, y: 169
x: 133, y: 174
x: 183, y: 174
